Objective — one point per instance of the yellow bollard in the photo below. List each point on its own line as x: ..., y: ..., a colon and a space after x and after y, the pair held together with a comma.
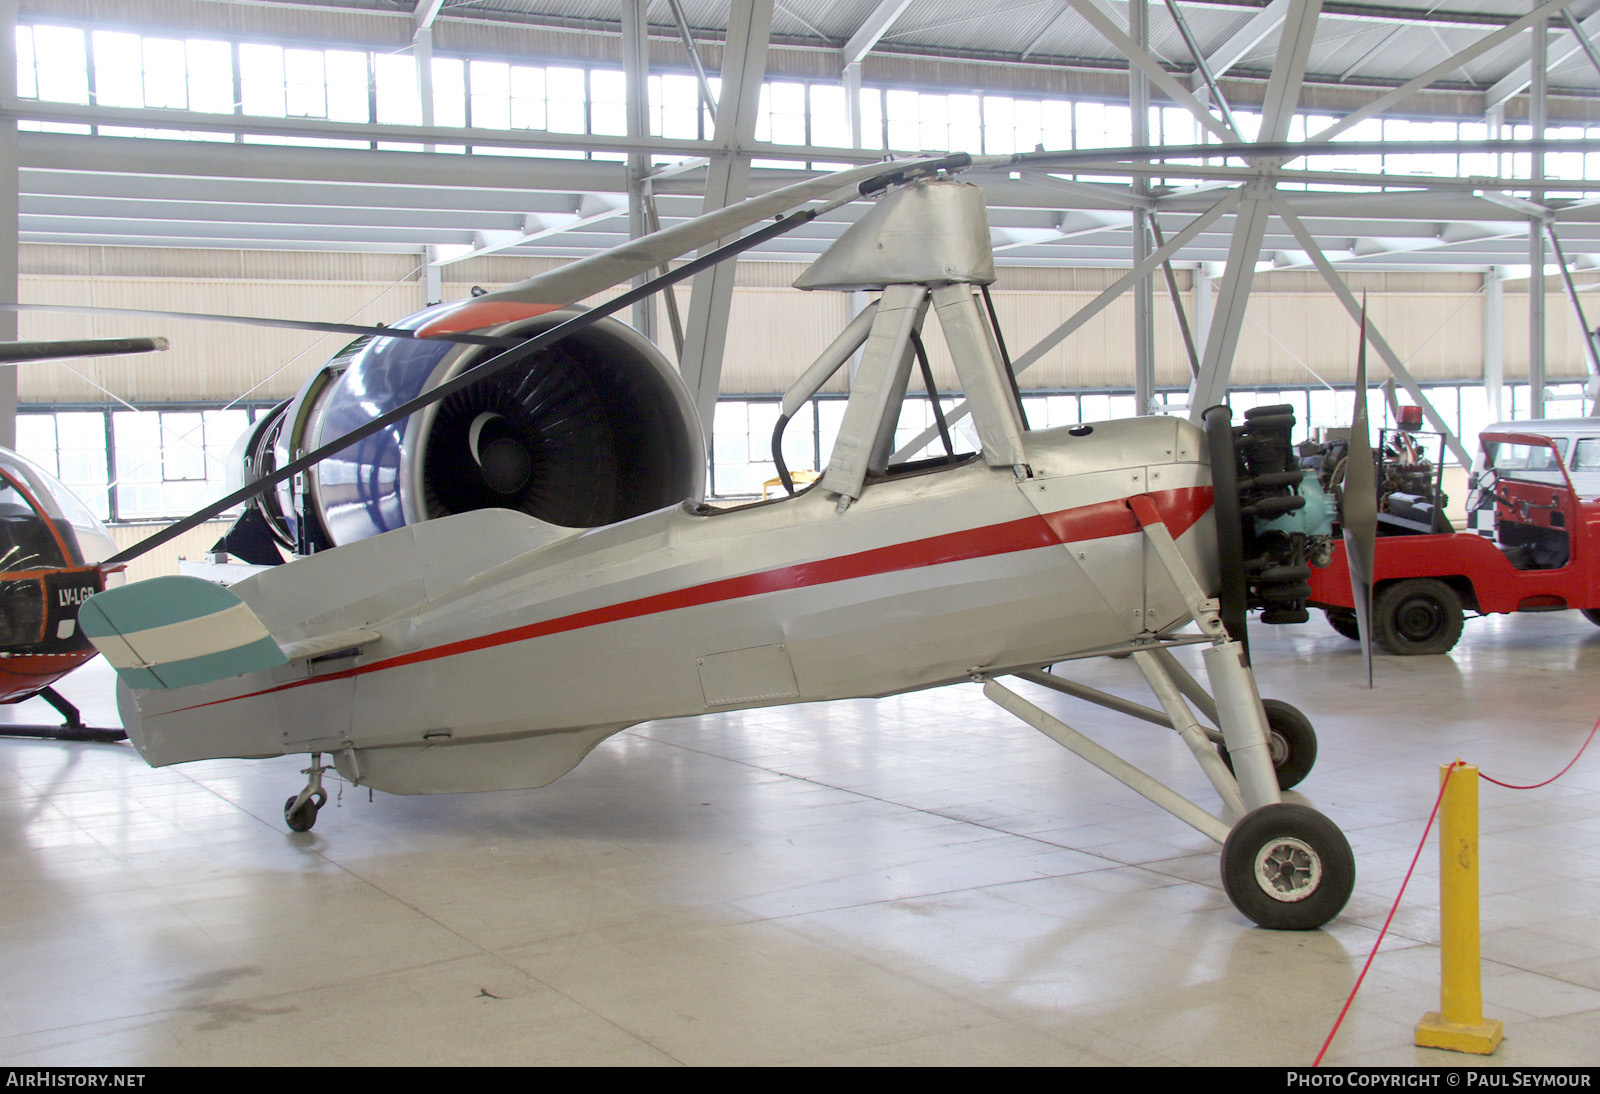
x: 1459, y: 1023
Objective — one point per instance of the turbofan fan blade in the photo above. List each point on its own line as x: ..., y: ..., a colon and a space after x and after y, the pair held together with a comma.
x: 1359, y: 510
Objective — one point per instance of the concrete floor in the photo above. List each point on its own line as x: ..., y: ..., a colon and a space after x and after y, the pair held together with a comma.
x: 920, y: 880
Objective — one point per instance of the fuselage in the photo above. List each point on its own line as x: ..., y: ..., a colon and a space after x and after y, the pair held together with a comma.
x: 509, y: 648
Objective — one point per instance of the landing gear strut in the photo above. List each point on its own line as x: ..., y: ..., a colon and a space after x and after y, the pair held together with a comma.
x: 1286, y: 867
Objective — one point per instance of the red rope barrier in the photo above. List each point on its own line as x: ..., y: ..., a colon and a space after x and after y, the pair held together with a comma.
x: 1395, y: 908
x: 1552, y: 778
x: 1414, y: 859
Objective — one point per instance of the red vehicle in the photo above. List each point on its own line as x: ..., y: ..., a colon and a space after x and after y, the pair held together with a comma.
x: 1543, y: 555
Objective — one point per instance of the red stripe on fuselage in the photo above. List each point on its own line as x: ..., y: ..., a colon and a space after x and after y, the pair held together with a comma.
x: 1179, y: 510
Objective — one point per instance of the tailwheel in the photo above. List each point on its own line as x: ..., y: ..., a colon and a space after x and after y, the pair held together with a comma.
x: 1287, y: 867
x: 300, y: 811
x: 301, y: 817
x: 1290, y: 740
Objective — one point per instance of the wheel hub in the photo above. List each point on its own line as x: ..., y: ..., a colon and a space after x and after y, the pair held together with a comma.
x: 1278, y: 746
x: 1418, y: 620
x: 1287, y: 869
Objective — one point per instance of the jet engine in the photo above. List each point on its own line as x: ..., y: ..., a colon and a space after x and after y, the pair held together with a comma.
x: 590, y: 430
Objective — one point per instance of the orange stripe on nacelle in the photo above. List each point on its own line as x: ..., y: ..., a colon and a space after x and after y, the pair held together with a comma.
x: 474, y: 315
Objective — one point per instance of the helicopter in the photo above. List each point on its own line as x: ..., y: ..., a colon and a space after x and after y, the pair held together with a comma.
x: 52, y: 552
x: 440, y: 644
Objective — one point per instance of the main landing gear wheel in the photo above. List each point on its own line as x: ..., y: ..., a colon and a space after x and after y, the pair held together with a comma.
x: 1592, y: 615
x: 1287, y: 867
x: 301, y: 819
x: 1290, y: 739
x: 1417, y: 616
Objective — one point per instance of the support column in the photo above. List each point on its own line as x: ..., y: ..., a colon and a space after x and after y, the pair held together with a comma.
x: 852, y: 102
x: 1494, y: 336
x: 432, y: 276
x: 1250, y: 225
x: 636, y: 72
x: 1205, y: 297
x: 8, y: 217
x: 744, y: 67
x: 1536, y: 247
x: 1144, y: 352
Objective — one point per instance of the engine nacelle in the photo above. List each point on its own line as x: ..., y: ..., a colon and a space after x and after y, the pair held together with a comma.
x: 591, y: 430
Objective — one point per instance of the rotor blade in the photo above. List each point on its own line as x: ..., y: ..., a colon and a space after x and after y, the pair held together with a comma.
x: 1359, y: 511
x: 596, y: 273
x: 11, y: 352
x: 262, y: 321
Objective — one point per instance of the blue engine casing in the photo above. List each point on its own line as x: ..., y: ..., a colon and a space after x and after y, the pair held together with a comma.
x: 590, y: 430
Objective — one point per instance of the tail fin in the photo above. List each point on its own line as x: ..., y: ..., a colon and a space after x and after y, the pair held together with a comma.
x: 175, y: 632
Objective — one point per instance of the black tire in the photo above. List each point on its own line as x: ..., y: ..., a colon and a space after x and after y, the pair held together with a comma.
x: 1292, y: 741
x: 301, y: 820
x: 1417, y: 616
x: 1287, y: 867
x: 1592, y: 615
x: 1343, y: 620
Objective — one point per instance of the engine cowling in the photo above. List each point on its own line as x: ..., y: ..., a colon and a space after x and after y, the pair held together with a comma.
x: 590, y: 430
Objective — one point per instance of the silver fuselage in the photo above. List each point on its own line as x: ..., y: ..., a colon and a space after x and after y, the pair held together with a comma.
x: 510, y: 648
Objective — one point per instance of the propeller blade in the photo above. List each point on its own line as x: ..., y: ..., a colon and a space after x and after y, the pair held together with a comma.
x: 1359, y: 508
x: 11, y: 352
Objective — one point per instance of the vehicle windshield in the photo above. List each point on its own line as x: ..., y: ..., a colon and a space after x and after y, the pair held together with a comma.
x: 1524, y: 457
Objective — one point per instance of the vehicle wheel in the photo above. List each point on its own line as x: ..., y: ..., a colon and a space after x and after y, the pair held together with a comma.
x: 1287, y: 867
x: 1419, y: 615
x: 1290, y: 739
x: 1343, y: 620
x: 301, y: 820
x: 1592, y: 615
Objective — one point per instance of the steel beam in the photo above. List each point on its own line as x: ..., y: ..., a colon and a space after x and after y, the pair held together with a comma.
x: 8, y: 216
x: 710, y: 302
x: 1410, y: 87
x: 1243, y: 40
x: 635, y: 75
x: 1250, y: 225
x: 872, y: 30
x: 1538, y: 57
x: 1378, y: 342
x: 1141, y: 59
x: 1289, y: 71
x: 1494, y: 336
x: 1202, y: 69
x: 707, y: 100
x: 1144, y: 339
x: 1517, y: 80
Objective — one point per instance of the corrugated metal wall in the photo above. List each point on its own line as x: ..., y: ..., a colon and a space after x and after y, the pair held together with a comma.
x: 1296, y: 332
x: 163, y: 560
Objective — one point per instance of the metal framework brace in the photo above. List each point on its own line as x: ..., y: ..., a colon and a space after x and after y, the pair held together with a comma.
x: 1175, y: 684
x: 1124, y: 772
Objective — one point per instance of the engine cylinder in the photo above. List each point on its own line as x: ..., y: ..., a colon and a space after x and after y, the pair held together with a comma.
x: 590, y: 430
